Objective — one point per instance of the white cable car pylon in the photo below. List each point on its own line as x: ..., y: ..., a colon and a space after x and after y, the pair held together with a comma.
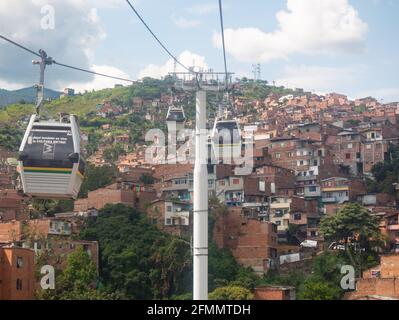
x: 50, y: 162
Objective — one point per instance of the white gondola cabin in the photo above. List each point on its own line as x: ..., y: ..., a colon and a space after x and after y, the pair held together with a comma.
x: 50, y: 162
x: 175, y: 118
x: 226, y: 140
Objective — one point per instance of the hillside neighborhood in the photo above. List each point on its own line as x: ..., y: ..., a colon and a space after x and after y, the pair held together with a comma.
x: 314, y: 157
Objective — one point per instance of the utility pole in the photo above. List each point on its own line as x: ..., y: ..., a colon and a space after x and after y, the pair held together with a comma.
x: 201, y: 82
x: 200, y: 259
x: 256, y: 71
x: 44, y: 61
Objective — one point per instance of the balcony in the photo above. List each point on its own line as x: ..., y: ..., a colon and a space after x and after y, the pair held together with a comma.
x: 329, y: 199
x: 306, y: 178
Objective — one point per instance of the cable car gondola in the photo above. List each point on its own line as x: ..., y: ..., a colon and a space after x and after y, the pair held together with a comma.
x: 175, y: 114
x: 50, y: 161
x: 175, y: 118
x: 226, y: 139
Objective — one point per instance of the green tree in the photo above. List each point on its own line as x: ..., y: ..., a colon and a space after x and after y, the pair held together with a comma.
x: 318, y: 290
x: 356, y: 228
x: 78, y: 281
x: 138, y: 260
x: 231, y: 293
x: 352, y: 222
x: 97, y: 177
x: 386, y: 173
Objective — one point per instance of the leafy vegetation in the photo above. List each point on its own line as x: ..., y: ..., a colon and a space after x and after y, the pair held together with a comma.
x: 10, y: 138
x: 231, y: 293
x: 357, y: 229
x: 386, y: 173
x: 97, y: 177
x: 137, y: 261
x: 320, y: 280
x: 78, y: 281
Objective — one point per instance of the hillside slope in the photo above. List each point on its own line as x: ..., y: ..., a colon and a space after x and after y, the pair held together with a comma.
x: 26, y: 94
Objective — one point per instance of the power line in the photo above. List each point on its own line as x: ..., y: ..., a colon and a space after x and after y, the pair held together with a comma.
x: 157, y: 39
x: 92, y: 72
x: 20, y: 46
x: 65, y: 65
x: 223, y: 42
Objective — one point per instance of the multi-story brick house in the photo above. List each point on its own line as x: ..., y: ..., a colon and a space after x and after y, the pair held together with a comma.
x: 389, y: 226
x: 347, y: 150
x: 230, y: 190
x: 378, y: 283
x: 136, y: 196
x: 13, y: 206
x: 17, y: 273
x: 171, y: 216
x: 375, y: 147
x: 340, y: 190
x: 53, y: 236
x: 253, y: 242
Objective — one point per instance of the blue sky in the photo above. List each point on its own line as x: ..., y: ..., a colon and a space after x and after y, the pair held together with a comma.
x: 347, y: 46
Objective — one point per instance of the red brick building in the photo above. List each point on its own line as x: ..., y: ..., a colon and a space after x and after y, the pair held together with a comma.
x: 13, y: 206
x: 133, y: 196
x: 17, y: 273
x: 253, y: 243
x: 381, y: 281
x: 275, y: 293
x: 171, y: 216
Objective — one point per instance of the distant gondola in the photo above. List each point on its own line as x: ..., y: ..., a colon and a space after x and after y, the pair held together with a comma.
x: 226, y: 139
x: 175, y: 114
x: 50, y: 161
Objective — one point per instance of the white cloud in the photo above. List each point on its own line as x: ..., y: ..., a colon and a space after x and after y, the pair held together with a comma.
x: 186, y: 58
x: 306, y: 26
x: 99, y: 82
x: 186, y: 23
x: 386, y: 94
x: 320, y: 79
x: 77, y: 32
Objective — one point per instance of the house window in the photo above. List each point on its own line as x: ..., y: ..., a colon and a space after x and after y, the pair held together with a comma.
x: 350, y: 145
x: 19, y: 284
x: 347, y: 155
x: 297, y: 216
x: 278, y: 223
x: 168, y: 222
x: 368, y: 146
x: 236, y: 181
x: 277, y: 155
x: 19, y: 262
x: 169, y: 208
x: 313, y: 233
x: 290, y: 154
x: 312, y: 189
